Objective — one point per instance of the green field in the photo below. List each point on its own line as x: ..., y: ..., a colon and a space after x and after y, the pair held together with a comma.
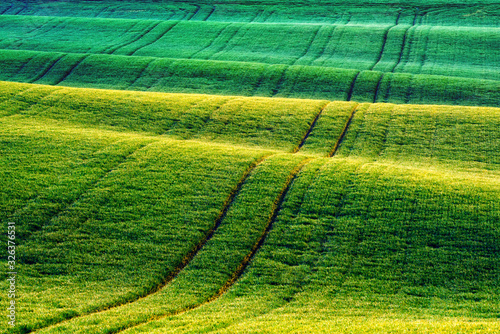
x: 250, y: 166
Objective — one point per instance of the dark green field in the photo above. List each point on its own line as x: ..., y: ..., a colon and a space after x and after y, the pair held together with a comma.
x: 250, y: 166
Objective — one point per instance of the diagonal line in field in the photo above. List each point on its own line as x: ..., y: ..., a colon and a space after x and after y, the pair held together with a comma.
x: 309, y: 130
x: 225, y: 45
x: 68, y: 73
x: 23, y: 66
x: 115, y: 47
x: 384, y: 42
x: 377, y: 88
x: 89, y: 187
x: 311, y: 42
x: 142, y: 72
x: 156, y: 40
x: 101, y: 11
x: 351, y: 89
x: 360, y: 234
x: 323, y: 48
x: 280, y: 82
x: 110, y: 51
x: 212, y: 42
x: 47, y: 70
x: 344, y: 131
x: 210, y: 14
x: 187, y: 258
x: 6, y: 10
x: 403, y: 43
x: 194, y: 13
x: 246, y: 260
x: 22, y: 10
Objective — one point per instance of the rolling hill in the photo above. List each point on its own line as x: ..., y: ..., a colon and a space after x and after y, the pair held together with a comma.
x: 251, y: 167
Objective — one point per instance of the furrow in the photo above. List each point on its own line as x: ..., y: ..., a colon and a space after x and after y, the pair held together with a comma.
x: 101, y: 11
x: 22, y: 10
x: 194, y: 13
x: 212, y: 41
x: 186, y: 259
x: 258, y: 244
x: 344, y: 131
x: 210, y: 14
x: 351, y: 89
x: 323, y: 48
x: 309, y: 130
x: 403, y: 44
x: 112, y: 48
x: 156, y: 40
x: 359, y: 236
x: 280, y: 82
x: 225, y: 45
x: 92, y: 185
x: 67, y: 74
x: 311, y: 42
x: 142, y: 72
x: 377, y: 88
x: 246, y: 260
x: 6, y: 10
x: 135, y: 39
x: 384, y: 42
x: 47, y: 70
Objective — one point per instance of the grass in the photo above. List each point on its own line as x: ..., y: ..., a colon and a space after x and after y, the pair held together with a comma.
x: 243, y: 78
x: 404, y: 57
x: 251, y: 167
x: 365, y: 247
x: 364, y: 226
x: 409, y: 48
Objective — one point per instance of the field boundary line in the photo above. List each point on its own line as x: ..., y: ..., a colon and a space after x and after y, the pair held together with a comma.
x: 344, y: 131
x: 309, y: 130
x: 47, y: 70
x: 187, y: 257
x: 156, y: 40
x: 68, y: 73
x: 246, y: 260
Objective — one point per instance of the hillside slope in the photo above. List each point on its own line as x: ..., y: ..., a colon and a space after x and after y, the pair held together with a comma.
x: 250, y: 166
x: 404, y: 216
